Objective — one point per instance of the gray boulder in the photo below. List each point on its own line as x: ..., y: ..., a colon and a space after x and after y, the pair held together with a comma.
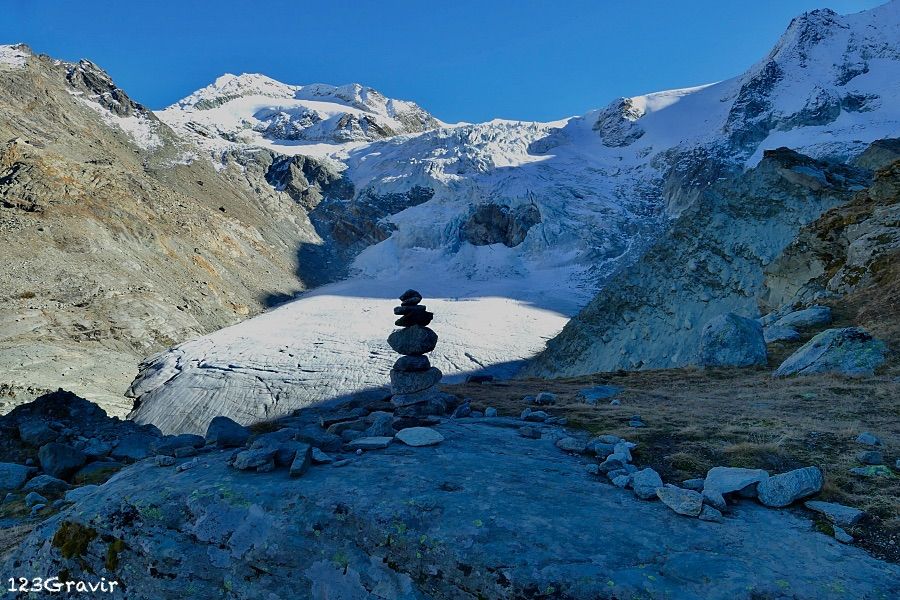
x: 684, y: 502
x: 848, y: 351
x: 302, y: 460
x: 47, y: 485
x: 645, y: 483
x: 169, y: 444
x: 545, y: 399
x: 814, y: 316
x: 419, y: 436
x: 595, y: 394
x: 36, y: 432
x: 60, y: 460
x: 570, y: 444
x: 787, y: 488
x: 868, y: 439
x: 134, y: 447
x: 836, y: 513
x: 413, y: 340
x: 727, y: 480
x: 730, y: 340
x: 33, y: 499
x: 870, y: 457
x: 226, y: 433
x: 255, y: 458
x: 382, y: 425
x: 12, y: 476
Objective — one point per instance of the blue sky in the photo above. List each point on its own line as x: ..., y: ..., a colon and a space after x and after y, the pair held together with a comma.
x: 461, y: 60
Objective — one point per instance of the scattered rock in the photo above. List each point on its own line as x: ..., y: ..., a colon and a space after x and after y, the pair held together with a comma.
x: 684, y: 502
x: 545, y: 399
x: 868, y: 439
x: 36, y: 432
x: 462, y: 411
x: 37, y: 508
x: 730, y: 340
x: 382, y: 426
x: 775, y: 333
x: 784, y: 489
x: 370, y: 443
x: 613, y: 462
x: 708, y: 513
x: 531, y: 432
x: 33, y: 498
x: 164, y: 460
x: 419, y: 436
x: 814, y: 316
x: 319, y: 438
x: 320, y: 458
x: 254, y: 458
x: 842, y: 536
x: 302, y: 460
x: 645, y: 483
x: 870, y: 457
x: 592, y: 468
x: 593, y: 395
x: 13, y: 476
x: 225, y: 433
x: 187, y: 465
x: 873, y: 471
x: 621, y: 481
x: 538, y: 416
x: 838, y: 514
x: 848, y: 351
x: 726, y: 480
x: 47, y: 485
x: 60, y: 460
x: 169, y: 444
x: 490, y: 411
x: 636, y: 421
x: 570, y: 444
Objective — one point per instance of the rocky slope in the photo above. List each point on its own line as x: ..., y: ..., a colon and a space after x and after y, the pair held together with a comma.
x: 117, y: 240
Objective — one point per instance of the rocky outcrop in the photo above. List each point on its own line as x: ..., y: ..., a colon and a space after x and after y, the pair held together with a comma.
x: 117, y: 241
x: 308, y: 180
x: 709, y: 262
x: 498, y: 224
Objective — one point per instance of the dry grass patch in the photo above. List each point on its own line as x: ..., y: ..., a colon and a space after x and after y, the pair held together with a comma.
x: 697, y: 419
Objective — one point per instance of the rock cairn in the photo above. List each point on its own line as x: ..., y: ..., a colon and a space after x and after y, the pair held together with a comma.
x: 413, y: 379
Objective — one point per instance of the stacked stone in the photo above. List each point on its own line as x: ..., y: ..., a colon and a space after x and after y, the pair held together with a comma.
x: 413, y: 379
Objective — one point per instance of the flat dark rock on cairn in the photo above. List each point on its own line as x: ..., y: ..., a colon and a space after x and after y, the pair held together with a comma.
x: 413, y: 379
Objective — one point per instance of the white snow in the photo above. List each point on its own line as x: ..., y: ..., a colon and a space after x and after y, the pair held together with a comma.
x: 14, y: 56
x: 138, y: 127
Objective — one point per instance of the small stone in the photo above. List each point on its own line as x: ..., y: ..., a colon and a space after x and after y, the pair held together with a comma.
x: 870, y: 457
x: 645, y: 483
x: 187, y: 465
x: 621, y: 481
x: 164, y: 460
x: 302, y: 461
x: 693, y: 484
x: 476, y: 414
x: 34, y: 498
x: 490, y: 411
x: 462, y: 411
x: 684, y: 502
x: 836, y: 513
x: 615, y: 402
x: 419, y: 318
x: 545, y: 399
x: 613, y: 462
x: 530, y: 432
x: 784, y: 489
x: 570, y: 444
x: 410, y: 295
x: 708, y: 513
x: 873, y: 471
x: 868, y: 439
x: 320, y: 458
x: 419, y: 436
x: 842, y: 536
x: 226, y: 433
x: 537, y: 416
x: 412, y: 363
x: 370, y: 443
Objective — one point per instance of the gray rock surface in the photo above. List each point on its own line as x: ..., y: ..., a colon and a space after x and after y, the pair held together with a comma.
x: 868, y: 439
x: 46, y: 485
x: 726, y: 480
x: 136, y: 446
x: 777, y: 333
x: 225, y: 433
x: 814, y: 316
x: 413, y: 340
x: 595, y: 394
x: 60, y: 460
x: 731, y: 340
x: 370, y: 443
x: 848, y: 351
x: 836, y: 513
x: 464, y: 511
x: 786, y: 488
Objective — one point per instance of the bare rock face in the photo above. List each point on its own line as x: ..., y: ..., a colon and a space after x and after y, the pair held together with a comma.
x: 497, y: 224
